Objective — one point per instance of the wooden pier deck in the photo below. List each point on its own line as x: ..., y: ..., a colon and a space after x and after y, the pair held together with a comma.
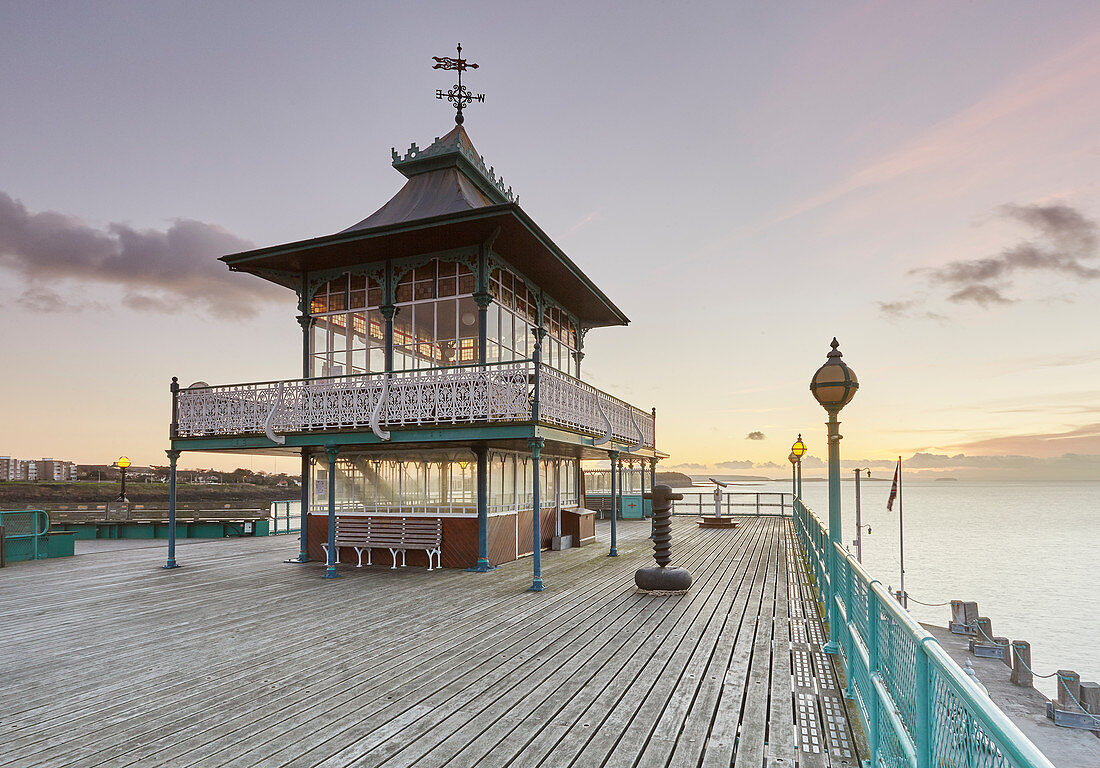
x: 239, y: 659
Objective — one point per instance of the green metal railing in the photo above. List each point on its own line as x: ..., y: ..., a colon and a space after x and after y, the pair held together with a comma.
x: 286, y: 517
x: 25, y: 534
x: 918, y: 707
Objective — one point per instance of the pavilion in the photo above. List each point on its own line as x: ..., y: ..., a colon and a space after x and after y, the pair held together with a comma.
x: 442, y: 342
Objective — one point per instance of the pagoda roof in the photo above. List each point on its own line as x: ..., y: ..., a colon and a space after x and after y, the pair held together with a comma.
x: 451, y: 200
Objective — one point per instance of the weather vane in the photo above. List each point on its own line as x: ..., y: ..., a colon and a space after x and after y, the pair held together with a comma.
x: 459, y: 95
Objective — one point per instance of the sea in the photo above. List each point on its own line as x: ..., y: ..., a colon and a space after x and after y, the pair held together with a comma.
x: 1027, y: 553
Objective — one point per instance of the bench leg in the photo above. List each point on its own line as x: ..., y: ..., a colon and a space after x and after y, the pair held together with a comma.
x: 368, y: 556
x: 393, y: 554
x: 429, y: 552
x: 403, y: 563
x: 325, y: 548
x: 359, y: 554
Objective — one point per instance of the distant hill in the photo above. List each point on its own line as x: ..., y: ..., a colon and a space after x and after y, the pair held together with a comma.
x: 674, y: 479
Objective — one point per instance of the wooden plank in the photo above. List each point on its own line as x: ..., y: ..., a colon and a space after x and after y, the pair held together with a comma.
x: 723, y: 740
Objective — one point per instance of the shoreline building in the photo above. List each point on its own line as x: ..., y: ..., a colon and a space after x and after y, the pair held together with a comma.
x: 37, y: 469
x: 442, y: 348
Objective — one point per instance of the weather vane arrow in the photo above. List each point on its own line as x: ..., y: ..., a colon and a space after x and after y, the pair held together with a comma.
x: 459, y: 95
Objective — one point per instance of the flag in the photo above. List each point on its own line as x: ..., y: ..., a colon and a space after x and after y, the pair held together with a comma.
x: 894, y: 488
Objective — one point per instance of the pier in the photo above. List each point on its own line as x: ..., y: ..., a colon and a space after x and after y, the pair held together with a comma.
x: 241, y: 659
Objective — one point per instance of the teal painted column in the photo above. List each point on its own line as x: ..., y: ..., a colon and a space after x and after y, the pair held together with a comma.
x: 330, y: 572
x: 303, y: 536
x: 482, y: 454
x: 173, y: 456
x: 834, y: 533
x: 615, y: 490
x: 388, y: 311
x: 536, y: 519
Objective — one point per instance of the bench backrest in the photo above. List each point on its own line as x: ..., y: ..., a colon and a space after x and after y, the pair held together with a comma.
x: 393, y: 532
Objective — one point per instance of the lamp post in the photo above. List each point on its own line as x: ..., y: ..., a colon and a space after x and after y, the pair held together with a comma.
x: 799, y: 450
x: 122, y: 464
x: 859, y: 522
x: 833, y: 386
x: 794, y: 473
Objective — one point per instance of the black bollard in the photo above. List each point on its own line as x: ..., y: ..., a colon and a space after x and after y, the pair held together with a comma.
x: 661, y: 577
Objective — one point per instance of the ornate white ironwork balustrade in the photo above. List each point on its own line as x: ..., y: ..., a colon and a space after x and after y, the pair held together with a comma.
x: 467, y: 395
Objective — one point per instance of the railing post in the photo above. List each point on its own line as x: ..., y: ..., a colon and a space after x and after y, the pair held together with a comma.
x: 849, y: 654
x: 871, y: 700
x: 922, y: 736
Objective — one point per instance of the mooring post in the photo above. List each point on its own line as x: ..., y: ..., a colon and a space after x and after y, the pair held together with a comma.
x: 1003, y: 643
x: 1090, y: 697
x: 1021, y: 664
x: 984, y: 626
x: 661, y: 577
x: 1069, y: 690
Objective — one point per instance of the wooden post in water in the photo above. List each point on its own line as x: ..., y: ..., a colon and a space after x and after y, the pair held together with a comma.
x: 1004, y: 643
x: 1090, y: 697
x: 1021, y: 664
x: 1069, y: 690
x: 984, y: 627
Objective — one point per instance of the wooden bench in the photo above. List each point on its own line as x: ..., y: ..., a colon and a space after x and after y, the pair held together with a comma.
x: 396, y: 534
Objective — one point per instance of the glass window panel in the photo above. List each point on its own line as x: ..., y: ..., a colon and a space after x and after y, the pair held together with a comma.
x: 424, y: 272
x: 423, y: 290
x: 377, y: 359
x: 374, y: 296
x: 447, y: 268
x: 358, y: 361
x: 492, y: 324
x: 466, y: 283
x: 467, y: 317
x: 358, y: 330
x: 404, y: 293
x: 319, y: 304
x: 358, y: 300
x: 377, y: 328
x: 448, y: 286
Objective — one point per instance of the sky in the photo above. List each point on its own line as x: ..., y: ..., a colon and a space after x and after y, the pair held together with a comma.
x: 745, y: 180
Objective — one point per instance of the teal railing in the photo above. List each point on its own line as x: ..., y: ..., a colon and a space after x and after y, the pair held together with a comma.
x: 919, y: 708
x: 286, y: 517
x: 25, y: 534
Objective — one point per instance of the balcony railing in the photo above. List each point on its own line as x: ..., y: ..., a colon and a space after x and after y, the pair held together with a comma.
x: 480, y: 394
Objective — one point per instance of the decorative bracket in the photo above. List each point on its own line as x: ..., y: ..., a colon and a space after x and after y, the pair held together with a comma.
x: 277, y: 439
x: 377, y: 412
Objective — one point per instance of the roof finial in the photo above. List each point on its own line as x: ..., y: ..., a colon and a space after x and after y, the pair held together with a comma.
x: 459, y: 95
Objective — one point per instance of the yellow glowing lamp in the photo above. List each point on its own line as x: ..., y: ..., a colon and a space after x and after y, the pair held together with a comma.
x: 122, y: 462
x: 799, y: 448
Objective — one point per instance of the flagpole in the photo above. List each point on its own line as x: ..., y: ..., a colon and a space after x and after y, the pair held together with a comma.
x: 901, y: 536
